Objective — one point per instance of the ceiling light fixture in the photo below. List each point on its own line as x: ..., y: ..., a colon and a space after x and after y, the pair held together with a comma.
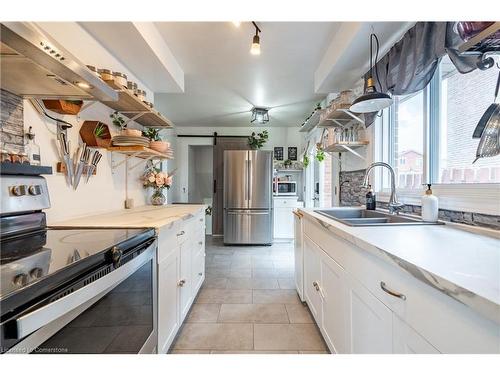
x: 255, y: 49
x: 83, y: 85
x: 372, y: 100
x: 236, y: 24
x: 260, y: 114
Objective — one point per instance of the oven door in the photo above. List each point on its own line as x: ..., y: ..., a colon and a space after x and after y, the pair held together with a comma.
x: 114, y: 314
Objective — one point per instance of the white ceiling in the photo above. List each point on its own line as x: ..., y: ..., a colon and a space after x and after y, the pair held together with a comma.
x: 223, y: 81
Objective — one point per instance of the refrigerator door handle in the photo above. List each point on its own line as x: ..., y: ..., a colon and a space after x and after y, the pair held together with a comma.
x: 250, y: 181
x: 248, y: 212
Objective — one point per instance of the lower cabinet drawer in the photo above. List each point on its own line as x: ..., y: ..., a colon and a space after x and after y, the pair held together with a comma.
x: 198, y: 269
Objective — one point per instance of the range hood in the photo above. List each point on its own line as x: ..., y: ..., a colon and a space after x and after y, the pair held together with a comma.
x: 33, y: 65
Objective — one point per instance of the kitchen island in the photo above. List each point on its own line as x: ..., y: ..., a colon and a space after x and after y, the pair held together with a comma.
x: 415, y: 288
x: 180, y: 256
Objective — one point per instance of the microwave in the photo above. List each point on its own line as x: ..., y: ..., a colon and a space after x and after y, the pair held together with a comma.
x: 286, y: 188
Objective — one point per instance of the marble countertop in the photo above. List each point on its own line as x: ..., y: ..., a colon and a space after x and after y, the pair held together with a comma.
x: 137, y: 217
x: 459, y: 263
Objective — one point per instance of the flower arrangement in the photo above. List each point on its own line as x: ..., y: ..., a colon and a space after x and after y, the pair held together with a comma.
x: 158, y: 180
x: 257, y: 141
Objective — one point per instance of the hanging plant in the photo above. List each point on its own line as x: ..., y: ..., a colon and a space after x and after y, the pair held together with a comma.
x: 152, y: 134
x: 305, y: 161
x: 320, y: 155
x: 256, y: 141
x: 118, y: 120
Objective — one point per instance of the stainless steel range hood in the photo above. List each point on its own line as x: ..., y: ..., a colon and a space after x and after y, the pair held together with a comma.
x: 33, y: 65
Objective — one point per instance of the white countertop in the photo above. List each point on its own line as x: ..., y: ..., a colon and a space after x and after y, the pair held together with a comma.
x: 462, y: 264
x: 137, y: 217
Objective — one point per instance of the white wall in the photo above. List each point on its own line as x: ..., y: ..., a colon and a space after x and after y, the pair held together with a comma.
x: 200, y: 173
x: 281, y: 136
x: 108, y: 189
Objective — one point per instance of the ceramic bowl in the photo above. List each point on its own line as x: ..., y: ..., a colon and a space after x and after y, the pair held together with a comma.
x: 132, y: 132
x: 160, y: 146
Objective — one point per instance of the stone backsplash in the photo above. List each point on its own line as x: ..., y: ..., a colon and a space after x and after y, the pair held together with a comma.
x: 351, y: 194
x: 11, y: 122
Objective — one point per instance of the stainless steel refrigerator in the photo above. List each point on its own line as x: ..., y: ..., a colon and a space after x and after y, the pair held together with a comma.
x: 248, y: 211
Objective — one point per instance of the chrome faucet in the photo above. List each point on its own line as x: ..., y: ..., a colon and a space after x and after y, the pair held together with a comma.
x: 394, y: 205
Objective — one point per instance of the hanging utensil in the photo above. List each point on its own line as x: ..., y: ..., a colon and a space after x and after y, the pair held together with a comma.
x: 92, y: 166
x: 488, y: 115
x: 84, y: 158
x: 66, y: 158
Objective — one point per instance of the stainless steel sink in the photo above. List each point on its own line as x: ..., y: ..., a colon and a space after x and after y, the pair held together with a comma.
x: 360, y: 217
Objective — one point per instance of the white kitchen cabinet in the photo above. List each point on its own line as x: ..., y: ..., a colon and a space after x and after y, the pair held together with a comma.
x: 407, y: 341
x: 369, y: 322
x: 283, y: 216
x: 168, y: 300
x: 312, y: 278
x: 333, y: 288
x: 407, y: 317
x: 298, y: 248
x: 181, y: 272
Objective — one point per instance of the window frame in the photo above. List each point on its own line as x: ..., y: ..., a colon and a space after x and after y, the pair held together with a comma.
x: 467, y: 197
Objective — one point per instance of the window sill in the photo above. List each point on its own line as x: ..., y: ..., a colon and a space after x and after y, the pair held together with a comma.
x: 477, y: 198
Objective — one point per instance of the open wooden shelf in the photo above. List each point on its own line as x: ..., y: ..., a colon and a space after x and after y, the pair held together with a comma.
x: 345, y: 146
x: 339, y: 117
x: 135, y: 109
x: 479, y: 44
x: 141, y: 152
x: 312, y: 121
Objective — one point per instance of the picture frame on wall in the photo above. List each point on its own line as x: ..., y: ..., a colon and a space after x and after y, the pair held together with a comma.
x: 292, y: 153
x: 278, y: 153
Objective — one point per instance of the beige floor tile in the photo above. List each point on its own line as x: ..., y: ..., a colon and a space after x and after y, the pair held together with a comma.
x: 233, y: 336
x: 204, y: 312
x: 215, y: 282
x: 180, y: 351
x: 288, y: 283
x: 313, y: 352
x: 298, y: 313
x: 217, y: 271
x: 253, y: 313
x: 275, y: 296
x: 239, y: 283
x: 249, y: 283
x: 241, y: 263
x: 264, y: 272
x: 287, y: 337
x: 262, y: 262
x: 254, y: 352
x: 224, y: 296
x: 240, y: 272
x: 265, y: 283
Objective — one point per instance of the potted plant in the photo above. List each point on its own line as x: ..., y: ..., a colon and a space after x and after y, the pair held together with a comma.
x: 320, y: 154
x: 287, y: 163
x: 305, y: 161
x: 120, y: 122
x: 256, y: 141
x: 158, y: 180
x: 155, y: 141
x: 95, y: 134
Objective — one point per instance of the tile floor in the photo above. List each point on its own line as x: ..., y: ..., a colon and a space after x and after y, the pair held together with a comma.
x: 248, y: 304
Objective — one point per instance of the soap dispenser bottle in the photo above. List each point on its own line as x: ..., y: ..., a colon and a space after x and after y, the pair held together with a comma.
x: 429, y: 206
x: 370, y: 199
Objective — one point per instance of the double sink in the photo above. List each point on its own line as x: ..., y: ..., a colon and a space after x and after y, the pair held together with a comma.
x: 360, y: 217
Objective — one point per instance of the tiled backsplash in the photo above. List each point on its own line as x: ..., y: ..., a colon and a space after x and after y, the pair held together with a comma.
x: 11, y: 122
x: 351, y: 194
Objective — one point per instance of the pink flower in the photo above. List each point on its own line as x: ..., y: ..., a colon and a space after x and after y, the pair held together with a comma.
x: 151, y: 178
x: 168, y: 181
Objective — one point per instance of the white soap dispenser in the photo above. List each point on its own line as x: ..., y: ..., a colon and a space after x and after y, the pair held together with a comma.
x: 429, y: 206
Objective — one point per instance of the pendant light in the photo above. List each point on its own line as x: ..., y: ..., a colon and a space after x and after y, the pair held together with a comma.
x: 260, y: 114
x: 255, y: 49
x: 371, y: 100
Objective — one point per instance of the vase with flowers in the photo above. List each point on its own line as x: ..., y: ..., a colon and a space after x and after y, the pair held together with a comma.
x: 158, y: 180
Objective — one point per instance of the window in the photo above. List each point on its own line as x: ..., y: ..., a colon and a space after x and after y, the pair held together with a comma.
x: 427, y: 136
x: 463, y: 98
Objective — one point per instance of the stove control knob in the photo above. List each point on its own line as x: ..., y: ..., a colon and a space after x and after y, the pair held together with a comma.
x: 116, y: 256
x: 34, y: 190
x: 36, y: 273
x: 18, y: 190
x: 20, y: 279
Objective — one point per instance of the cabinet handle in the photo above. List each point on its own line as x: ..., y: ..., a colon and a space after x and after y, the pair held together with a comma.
x: 200, y: 273
x: 392, y: 293
x: 181, y: 233
x: 200, y: 243
x: 181, y: 282
x: 316, y: 286
x: 298, y: 214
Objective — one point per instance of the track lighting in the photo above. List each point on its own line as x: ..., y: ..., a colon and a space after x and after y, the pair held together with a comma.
x: 255, y: 49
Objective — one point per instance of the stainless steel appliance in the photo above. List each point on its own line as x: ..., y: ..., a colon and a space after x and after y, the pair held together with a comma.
x: 248, y: 211
x: 34, y: 65
x: 286, y: 188
x: 71, y: 290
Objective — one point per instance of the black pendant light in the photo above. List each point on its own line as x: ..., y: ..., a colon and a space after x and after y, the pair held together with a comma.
x: 371, y: 100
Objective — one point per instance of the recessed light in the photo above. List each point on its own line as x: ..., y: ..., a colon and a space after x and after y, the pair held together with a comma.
x: 83, y: 85
x: 236, y: 24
